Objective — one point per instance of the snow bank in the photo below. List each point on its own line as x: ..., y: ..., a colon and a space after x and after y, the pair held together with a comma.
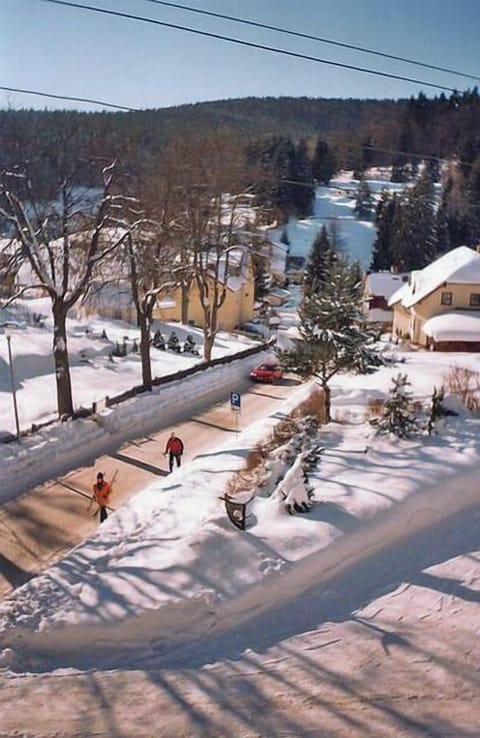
x: 63, y: 446
x: 169, y: 565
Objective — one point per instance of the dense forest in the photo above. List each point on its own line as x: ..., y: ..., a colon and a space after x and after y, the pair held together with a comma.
x: 361, y: 132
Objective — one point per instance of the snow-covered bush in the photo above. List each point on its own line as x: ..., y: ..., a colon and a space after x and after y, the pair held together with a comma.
x: 294, y: 489
x: 269, y: 463
x: 397, y: 416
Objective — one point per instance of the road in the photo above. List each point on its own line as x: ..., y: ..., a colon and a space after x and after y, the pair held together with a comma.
x: 390, y: 649
x: 45, y: 523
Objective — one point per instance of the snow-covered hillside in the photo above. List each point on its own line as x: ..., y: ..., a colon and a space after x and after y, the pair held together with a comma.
x: 335, y: 205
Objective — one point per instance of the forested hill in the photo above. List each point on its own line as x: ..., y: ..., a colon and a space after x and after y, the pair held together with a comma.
x: 285, y: 116
x: 357, y: 130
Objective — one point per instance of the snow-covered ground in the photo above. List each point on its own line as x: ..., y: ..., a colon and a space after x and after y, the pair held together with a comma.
x: 169, y: 565
x: 334, y: 207
x: 94, y: 375
x: 167, y: 582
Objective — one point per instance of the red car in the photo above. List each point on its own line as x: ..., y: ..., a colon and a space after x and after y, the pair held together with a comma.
x: 267, y: 372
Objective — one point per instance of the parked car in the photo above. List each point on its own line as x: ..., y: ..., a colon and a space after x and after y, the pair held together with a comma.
x: 269, y: 371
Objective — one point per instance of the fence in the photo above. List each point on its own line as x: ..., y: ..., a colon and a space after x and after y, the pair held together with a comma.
x: 85, y: 412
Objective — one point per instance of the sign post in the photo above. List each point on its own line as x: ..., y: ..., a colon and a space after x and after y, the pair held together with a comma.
x: 235, y: 405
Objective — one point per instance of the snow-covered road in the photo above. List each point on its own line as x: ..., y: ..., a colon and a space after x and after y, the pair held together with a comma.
x: 390, y: 649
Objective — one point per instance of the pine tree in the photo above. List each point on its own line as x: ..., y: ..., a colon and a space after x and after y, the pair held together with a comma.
x: 321, y: 256
x: 332, y: 334
x: 386, y: 219
x: 364, y: 202
x: 324, y: 163
x: 397, y: 417
x: 459, y: 212
x: 414, y: 242
x: 302, y: 191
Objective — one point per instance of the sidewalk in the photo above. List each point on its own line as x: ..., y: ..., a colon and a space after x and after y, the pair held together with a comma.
x: 170, y: 566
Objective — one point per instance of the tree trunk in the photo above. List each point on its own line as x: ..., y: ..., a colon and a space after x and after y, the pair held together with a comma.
x: 144, y: 323
x: 60, y: 357
x: 185, y: 303
x: 327, y: 402
x: 208, y: 341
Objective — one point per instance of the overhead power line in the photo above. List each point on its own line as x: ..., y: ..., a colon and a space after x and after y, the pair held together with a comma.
x: 310, y: 37
x: 69, y: 97
x: 249, y: 44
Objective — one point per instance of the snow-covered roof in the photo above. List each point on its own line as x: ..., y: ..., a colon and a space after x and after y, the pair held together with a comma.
x: 458, y: 325
x: 384, y: 284
x: 459, y: 266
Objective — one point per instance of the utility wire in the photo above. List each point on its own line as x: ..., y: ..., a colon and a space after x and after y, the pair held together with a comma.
x: 310, y: 37
x: 69, y: 97
x: 250, y: 44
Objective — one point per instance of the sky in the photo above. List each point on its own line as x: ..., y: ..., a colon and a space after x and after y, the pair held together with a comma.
x: 69, y: 51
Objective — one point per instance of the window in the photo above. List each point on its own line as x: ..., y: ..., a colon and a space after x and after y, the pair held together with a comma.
x: 475, y: 299
x: 446, y: 298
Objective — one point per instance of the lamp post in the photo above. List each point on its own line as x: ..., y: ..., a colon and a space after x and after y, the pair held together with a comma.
x: 8, y: 336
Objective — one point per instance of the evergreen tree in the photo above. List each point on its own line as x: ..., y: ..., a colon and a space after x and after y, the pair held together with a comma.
x: 364, y: 202
x: 414, y: 242
x: 385, y: 219
x: 321, y: 256
x: 459, y: 212
x: 335, y: 236
x: 397, y: 416
x: 302, y: 191
x: 324, y: 163
x: 332, y: 334
x: 365, y: 160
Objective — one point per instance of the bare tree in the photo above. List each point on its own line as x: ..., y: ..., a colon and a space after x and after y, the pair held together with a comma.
x: 148, y: 259
x: 211, y: 226
x: 59, y: 243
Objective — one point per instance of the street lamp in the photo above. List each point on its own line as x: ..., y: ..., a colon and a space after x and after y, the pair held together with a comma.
x: 8, y: 335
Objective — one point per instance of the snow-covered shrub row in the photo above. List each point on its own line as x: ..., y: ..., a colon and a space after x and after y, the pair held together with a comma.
x: 63, y: 446
x: 278, y: 466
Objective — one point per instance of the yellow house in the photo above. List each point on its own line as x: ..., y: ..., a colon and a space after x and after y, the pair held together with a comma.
x: 237, y: 308
x: 439, y: 307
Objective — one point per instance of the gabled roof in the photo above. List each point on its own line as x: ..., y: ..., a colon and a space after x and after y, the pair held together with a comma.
x: 459, y: 266
x: 384, y: 284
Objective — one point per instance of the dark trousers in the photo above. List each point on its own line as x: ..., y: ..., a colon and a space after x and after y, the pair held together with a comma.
x: 172, y: 458
x: 103, y: 514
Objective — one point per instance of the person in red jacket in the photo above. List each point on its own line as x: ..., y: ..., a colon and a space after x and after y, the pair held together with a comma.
x: 174, y: 449
x: 101, y: 495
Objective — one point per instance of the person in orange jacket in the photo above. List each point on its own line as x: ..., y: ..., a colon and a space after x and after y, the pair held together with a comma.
x: 101, y: 495
x: 174, y: 449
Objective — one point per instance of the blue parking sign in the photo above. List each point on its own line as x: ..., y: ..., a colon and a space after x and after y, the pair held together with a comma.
x: 235, y: 400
